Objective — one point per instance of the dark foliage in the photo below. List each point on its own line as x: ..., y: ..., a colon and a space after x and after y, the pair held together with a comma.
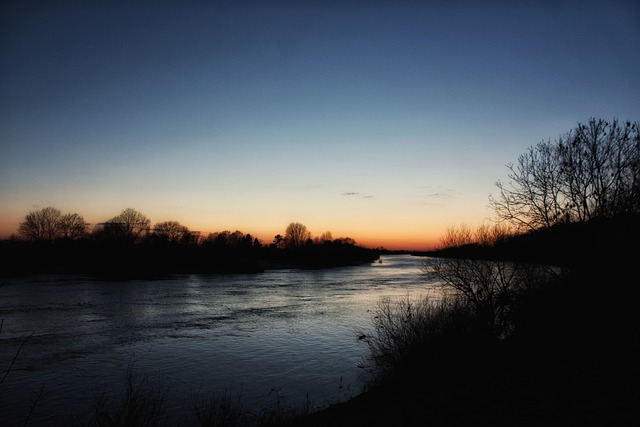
x: 570, y: 359
x: 313, y: 256
x: 565, y: 245
x: 116, y: 258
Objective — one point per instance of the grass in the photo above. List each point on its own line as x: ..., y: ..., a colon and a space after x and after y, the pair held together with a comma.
x: 406, y: 331
x: 142, y: 403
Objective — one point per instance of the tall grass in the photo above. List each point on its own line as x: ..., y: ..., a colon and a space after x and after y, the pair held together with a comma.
x: 141, y: 404
x: 482, y: 300
x: 225, y: 409
x: 413, y: 333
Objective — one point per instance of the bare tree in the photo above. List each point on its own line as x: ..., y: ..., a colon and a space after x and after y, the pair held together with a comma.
x: 534, y: 197
x: 326, y: 237
x: 49, y: 224
x: 129, y: 223
x: 43, y: 224
x: 591, y: 171
x: 489, y: 286
x: 296, y: 235
x: 72, y: 226
x: 172, y: 231
x: 457, y: 236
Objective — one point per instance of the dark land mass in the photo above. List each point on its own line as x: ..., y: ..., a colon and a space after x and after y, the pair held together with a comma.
x: 571, y: 361
x: 122, y: 259
x: 572, y: 245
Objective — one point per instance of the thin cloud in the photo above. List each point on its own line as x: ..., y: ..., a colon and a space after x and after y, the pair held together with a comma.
x: 437, y: 192
x: 355, y: 193
x: 435, y: 195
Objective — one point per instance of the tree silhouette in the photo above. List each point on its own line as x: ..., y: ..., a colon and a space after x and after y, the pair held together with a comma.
x: 325, y: 237
x: 72, y: 226
x: 488, y: 286
x: 296, y: 235
x: 591, y: 171
x: 129, y: 224
x: 278, y: 241
x: 49, y: 224
x: 43, y: 224
x: 171, y: 231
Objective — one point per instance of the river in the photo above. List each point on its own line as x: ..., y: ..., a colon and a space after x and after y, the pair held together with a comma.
x: 283, y: 335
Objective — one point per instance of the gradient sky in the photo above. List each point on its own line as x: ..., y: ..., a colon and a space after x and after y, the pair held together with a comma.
x: 386, y: 122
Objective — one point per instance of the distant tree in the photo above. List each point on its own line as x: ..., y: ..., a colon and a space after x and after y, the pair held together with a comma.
x: 491, y: 235
x: 172, y: 231
x: 296, y: 235
x: 247, y: 241
x: 50, y: 224
x: 457, y: 236
x: 591, y: 171
x: 195, y: 238
x: 227, y: 239
x: 43, y: 224
x: 129, y: 224
x: 278, y: 241
x: 109, y: 230
x: 219, y: 238
x: 236, y: 239
x: 72, y: 226
x: 345, y: 241
x: 326, y: 237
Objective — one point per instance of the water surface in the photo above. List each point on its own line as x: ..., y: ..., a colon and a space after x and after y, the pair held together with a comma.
x: 283, y: 334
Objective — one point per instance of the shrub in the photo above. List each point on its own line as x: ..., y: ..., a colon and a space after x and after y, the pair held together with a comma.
x: 411, y: 334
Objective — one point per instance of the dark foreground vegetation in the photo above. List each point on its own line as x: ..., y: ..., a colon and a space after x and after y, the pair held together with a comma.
x: 540, y: 323
x: 533, y: 347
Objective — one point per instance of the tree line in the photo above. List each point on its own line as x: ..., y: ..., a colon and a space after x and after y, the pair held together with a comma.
x: 49, y: 241
x: 130, y: 225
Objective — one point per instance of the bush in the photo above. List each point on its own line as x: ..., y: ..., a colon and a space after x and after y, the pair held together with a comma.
x: 412, y: 334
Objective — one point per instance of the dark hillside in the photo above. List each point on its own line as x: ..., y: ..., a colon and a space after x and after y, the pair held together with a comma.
x: 566, y: 245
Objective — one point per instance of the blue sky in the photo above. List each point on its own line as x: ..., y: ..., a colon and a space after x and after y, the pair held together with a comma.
x: 383, y: 121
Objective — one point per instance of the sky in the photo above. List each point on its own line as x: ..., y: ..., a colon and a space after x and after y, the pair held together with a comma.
x: 386, y: 122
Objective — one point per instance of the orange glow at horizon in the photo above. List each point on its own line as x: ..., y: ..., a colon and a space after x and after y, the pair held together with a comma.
x: 382, y: 239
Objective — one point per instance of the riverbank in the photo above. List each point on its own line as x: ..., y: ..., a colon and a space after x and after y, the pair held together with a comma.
x: 571, y: 362
x: 125, y: 260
